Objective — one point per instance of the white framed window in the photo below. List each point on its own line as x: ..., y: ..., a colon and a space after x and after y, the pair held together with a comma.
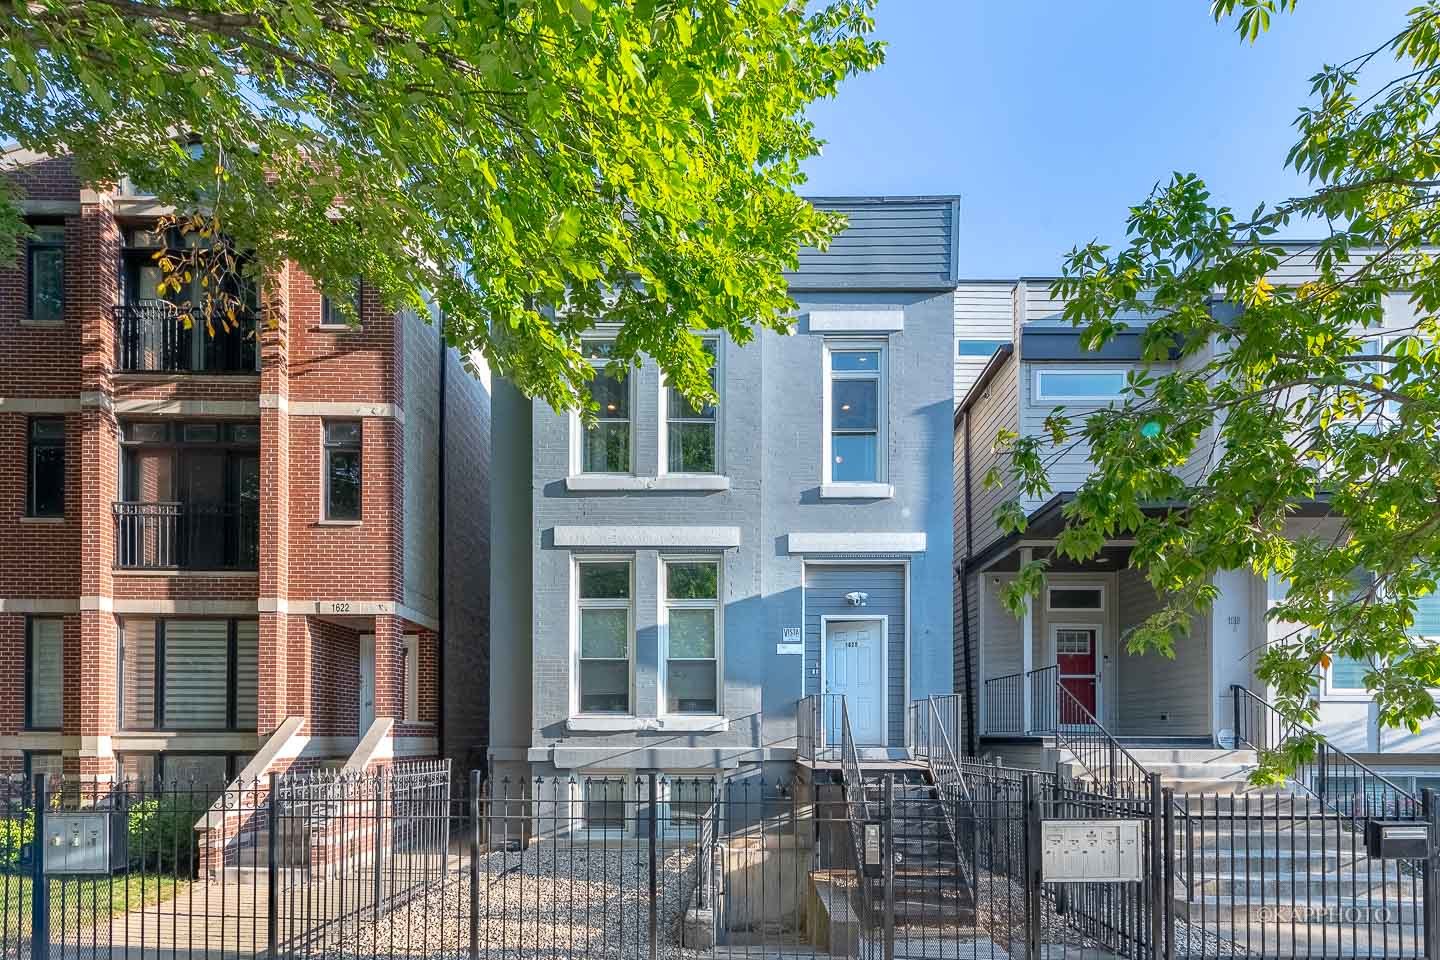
x: 608, y: 445
x: 692, y: 630
x: 45, y: 673
x: 1074, y: 598
x: 1074, y: 641
x: 1087, y: 384
x: 691, y: 440
x: 688, y: 803
x: 855, y: 412
x: 605, y: 643
x: 411, y: 653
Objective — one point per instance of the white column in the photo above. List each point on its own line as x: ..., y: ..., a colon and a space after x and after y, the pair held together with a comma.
x: 1027, y: 642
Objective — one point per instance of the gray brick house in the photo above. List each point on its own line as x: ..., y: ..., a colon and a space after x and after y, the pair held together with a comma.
x: 670, y: 583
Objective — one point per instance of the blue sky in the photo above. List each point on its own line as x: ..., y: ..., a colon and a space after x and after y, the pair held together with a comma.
x: 1051, y: 117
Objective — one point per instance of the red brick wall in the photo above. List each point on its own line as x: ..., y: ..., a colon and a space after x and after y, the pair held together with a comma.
x: 307, y: 666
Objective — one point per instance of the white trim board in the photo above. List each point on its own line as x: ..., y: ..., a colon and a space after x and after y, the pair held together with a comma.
x: 855, y: 543
x: 609, y: 537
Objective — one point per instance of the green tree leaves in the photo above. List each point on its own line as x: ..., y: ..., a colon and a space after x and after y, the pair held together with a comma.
x: 535, y: 166
x: 1297, y: 389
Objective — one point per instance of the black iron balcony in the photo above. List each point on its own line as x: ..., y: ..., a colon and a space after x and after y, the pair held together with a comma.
x: 156, y: 336
x: 177, y: 536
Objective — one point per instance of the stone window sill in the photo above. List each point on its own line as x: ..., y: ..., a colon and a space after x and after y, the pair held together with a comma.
x: 696, y: 724
x: 43, y: 520
x: 668, y: 483
x: 43, y: 324
x: 338, y: 523
x: 228, y: 574
x: 857, y: 491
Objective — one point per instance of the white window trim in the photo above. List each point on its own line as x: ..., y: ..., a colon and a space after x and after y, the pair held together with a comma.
x: 1040, y: 371
x: 718, y: 605
x: 577, y: 427
x: 665, y: 791
x: 580, y: 823
x: 882, y: 419
x: 412, y: 678
x: 1050, y: 588
x: 628, y: 605
x: 664, y: 420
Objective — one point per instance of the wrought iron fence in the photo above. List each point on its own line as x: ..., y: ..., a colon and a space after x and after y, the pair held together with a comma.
x: 818, y: 727
x: 412, y: 862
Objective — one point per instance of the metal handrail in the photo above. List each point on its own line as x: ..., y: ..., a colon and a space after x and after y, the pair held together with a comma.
x: 1005, y: 704
x: 1088, y: 741
x: 856, y: 805
x: 1330, y: 767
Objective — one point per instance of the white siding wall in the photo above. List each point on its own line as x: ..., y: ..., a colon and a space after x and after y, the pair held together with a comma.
x: 983, y: 311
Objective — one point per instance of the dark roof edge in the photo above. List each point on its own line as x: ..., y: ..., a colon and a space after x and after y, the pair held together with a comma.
x: 889, y: 198
x: 992, y: 367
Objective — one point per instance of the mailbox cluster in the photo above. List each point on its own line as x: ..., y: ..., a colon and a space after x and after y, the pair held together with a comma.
x: 86, y: 842
x: 1091, y: 851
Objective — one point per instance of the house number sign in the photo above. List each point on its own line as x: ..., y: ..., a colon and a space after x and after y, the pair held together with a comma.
x: 791, y: 641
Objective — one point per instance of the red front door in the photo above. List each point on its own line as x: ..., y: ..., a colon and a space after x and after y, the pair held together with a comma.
x: 1075, y: 654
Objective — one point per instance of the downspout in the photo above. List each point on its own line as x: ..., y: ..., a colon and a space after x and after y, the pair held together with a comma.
x: 973, y: 705
x: 444, y: 641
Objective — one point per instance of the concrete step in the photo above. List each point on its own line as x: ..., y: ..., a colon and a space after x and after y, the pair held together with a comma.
x: 1152, y: 757
x: 1275, y: 911
x: 1279, y: 886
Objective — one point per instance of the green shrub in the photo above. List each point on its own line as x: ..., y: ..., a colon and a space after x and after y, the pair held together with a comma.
x: 161, y: 833
x: 15, y: 832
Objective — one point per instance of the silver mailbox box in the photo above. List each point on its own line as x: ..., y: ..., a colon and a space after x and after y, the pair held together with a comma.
x: 81, y: 842
x: 1090, y: 851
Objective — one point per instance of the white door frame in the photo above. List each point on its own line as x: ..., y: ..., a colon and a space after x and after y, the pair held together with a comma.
x: 1099, y: 628
x: 884, y: 621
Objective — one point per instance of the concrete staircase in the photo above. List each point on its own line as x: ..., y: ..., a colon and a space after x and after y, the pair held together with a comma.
x: 1279, y: 874
x: 931, y: 882
x: 1219, y: 770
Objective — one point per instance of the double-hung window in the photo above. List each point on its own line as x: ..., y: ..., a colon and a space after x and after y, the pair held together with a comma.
x: 46, y: 495
x: 605, y: 622
x: 605, y: 445
x: 692, y: 636
x: 854, y: 413
x: 342, y: 470
x: 692, y: 432
x: 44, y: 673
x: 45, y: 265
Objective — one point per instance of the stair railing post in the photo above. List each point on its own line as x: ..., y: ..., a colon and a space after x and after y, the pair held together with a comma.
x: 1030, y: 796
x: 474, y: 865
x: 1235, y: 701
x: 272, y: 867
x: 1431, y: 874
x: 1158, y: 891
x: 887, y: 856
x: 654, y: 825
x: 39, y: 885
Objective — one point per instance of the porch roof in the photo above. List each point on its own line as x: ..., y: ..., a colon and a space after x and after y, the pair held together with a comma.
x: 1048, y: 521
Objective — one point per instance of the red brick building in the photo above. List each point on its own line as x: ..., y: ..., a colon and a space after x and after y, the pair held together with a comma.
x: 229, y: 554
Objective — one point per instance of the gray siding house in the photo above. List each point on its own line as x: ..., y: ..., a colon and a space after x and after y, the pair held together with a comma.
x: 1172, y: 712
x: 669, y: 584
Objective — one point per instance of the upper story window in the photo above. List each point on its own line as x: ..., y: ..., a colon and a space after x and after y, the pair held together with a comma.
x: 333, y: 316
x: 605, y: 447
x: 692, y: 636
x: 45, y: 263
x: 1079, y: 384
x: 605, y: 625
x: 46, y: 496
x: 692, y: 432
x: 854, y: 413
x: 343, y: 473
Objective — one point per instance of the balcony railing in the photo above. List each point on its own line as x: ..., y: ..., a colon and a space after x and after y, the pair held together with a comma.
x: 156, y: 336
x: 177, y: 536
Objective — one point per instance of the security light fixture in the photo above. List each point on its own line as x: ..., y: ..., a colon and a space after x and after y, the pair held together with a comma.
x: 856, y: 598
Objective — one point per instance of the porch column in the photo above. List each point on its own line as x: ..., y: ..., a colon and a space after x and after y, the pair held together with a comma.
x: 1027, y: 643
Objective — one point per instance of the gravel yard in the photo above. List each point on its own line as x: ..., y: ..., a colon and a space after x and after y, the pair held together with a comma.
x: 585, y: 902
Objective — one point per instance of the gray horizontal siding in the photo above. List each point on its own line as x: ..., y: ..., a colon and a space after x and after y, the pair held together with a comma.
x: 825, y: 589
x: 896, y: 243
x: 997, y: 408
x: 1157, y: 695
x: 983, y: 311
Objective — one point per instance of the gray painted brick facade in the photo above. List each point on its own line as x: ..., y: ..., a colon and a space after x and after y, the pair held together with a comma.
x: 770, y: 443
